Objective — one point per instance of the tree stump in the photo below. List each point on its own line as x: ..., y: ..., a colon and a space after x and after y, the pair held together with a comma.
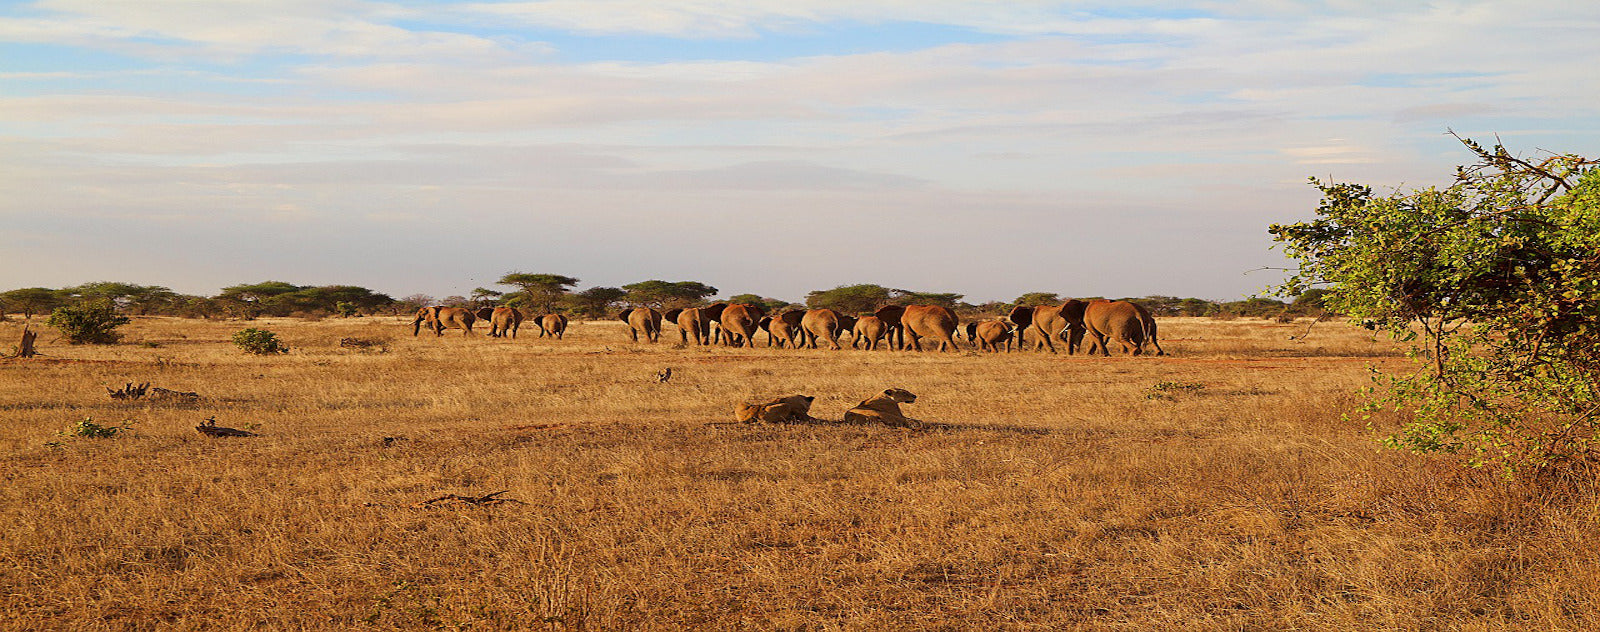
x: 25, y: 349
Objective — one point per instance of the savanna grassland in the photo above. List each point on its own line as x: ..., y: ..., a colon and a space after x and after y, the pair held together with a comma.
x: 1219, y: 488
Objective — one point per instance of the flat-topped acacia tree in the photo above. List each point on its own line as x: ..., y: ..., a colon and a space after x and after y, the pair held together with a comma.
x: 541, y: 291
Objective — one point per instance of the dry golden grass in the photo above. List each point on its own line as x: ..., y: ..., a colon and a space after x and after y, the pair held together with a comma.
x: 1216, y: 489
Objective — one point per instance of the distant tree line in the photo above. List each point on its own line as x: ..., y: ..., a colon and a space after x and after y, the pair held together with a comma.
x: 547, y: 293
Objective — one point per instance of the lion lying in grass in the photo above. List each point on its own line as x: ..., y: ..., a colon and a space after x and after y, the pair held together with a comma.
x: 883, y: 408
x: 780, y: 410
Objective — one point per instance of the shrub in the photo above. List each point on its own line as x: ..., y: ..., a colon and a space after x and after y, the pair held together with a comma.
x: 258, y: 341
x: 88, y: 323
x: 1500, y: 274
x: 88, y: 428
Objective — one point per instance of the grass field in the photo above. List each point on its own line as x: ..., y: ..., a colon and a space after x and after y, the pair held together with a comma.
x: 1219, y: 488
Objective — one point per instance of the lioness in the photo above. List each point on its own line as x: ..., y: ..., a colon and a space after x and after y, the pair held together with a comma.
x: 780, y: 410
x: 883, y: 407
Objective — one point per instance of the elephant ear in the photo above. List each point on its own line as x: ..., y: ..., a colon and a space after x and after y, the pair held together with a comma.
x: 890, y: 314
x: 847, y: 323
x: 625, y: 314
x: 672, y: 314
x: 794, y: 316
x: 1021, y: 316
x: 753, y: 311
x: 1073, y: 310
x: 765, y: 324
x: 714, y: 311
x: 972, y: 331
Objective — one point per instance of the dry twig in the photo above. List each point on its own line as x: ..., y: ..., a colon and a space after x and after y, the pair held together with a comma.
x: 477, y: 501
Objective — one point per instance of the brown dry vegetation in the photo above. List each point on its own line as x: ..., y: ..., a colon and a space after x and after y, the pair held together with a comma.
x: 1219, y: 488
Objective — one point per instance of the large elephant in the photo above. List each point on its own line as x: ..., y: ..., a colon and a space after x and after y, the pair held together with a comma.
x: 989, y: 335
x: 553, y: 325
x: 868, y: 331
x: 1128, y: 324
x: 893, y: 332
x: 502, y: 320
x: 1048, y: 323
x: 825, y: 324
x: 439, y: 319
x: 783, y: 329
x: 694, y: 321
x: 919, y: 321
x: 642, y: 319
x: 739, y: 324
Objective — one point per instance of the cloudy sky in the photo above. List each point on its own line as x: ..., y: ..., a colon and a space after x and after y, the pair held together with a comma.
x: 1117, y: 147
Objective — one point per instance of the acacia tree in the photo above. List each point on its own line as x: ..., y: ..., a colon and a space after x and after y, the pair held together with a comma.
x: 1500, y: 274
x: 594, y: 302
x: 656, y: 293
x: 540, y: 291
x: 30, y: 301
x: 849, y: 299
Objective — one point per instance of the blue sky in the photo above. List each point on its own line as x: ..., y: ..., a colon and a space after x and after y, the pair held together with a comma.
x: 775, y: 147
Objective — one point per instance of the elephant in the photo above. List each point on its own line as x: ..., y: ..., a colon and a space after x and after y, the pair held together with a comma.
x: 502, y: 320
x: 1128, y: 324
x: 868, y: 330
x: 739, y: 324
x: 1047, y: 322
x: 988, y: 335
x: 825, y: 324
x: 441, y: 318
x: 694, y: 321
x: 923, y: 320
x: 553, y: 325
x: 893, y: 332
x: 642, y: 319
x: 783, y: 329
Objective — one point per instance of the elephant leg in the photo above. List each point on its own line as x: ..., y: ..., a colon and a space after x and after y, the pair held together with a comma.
x: 1045, y: 340
x: 1152, y: 339
x: 634, y: 333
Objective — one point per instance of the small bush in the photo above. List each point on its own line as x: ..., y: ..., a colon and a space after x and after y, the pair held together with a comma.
x: 88, y: 428
x: 1166, y: 390
x: 88, y: 323
x: 258, y: 341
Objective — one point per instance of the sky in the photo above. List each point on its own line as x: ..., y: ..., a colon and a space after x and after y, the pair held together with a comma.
x: 1102, y: 148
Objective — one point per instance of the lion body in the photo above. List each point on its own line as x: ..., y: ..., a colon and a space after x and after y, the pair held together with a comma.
x: 780, y: 410
x: 883, y: 408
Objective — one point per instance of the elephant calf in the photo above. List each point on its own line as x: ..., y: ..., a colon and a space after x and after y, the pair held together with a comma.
x: 989, y: 335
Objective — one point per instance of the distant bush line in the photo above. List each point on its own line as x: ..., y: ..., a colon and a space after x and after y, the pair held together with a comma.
x: 553, y: 293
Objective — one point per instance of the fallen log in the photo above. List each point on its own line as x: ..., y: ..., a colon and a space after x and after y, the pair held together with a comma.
x: 210, y: 428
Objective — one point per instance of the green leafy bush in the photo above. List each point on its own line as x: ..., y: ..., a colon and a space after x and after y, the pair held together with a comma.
x: 88, y: 428
x: 258, y: 341
x: 92, y: 323
x: 1498, y: 278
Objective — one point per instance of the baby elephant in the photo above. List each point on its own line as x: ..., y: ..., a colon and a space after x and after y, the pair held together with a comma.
x: 780, y: 410
x: 989, y: 335
x: 885, y: 408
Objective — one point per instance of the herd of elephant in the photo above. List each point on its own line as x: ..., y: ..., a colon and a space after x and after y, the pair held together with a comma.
x: 1100, y: 322
x: 503, y: 321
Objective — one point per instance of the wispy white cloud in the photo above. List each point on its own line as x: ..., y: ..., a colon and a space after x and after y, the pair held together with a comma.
x: 1069, y: 124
